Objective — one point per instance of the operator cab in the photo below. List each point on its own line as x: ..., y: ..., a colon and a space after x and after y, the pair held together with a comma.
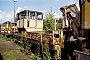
x: 29, y: 20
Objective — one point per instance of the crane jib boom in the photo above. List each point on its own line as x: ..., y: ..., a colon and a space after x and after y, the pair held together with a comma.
x: 71, y: 14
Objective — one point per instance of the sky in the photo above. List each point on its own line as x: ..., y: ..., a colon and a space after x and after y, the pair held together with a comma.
x: 7, y: 7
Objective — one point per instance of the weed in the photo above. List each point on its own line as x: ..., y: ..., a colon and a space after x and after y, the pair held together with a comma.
x: 1, y: 36
x: 9, y: 39
x: 69, y: 57
x: 10, y: 55
x: 46, y: 52
x: 38, y: 50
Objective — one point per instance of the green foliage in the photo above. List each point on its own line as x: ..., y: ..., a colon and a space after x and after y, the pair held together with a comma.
x: 61, y: 40
x: 1, y: 36
x: 34, y: 57
x: 60, y: 20
x: 21, y: 48
x: 69, y: 57
x: 46, y: 52
x: 30, y: 48
x: 5, y: 37
x: 38, y: 50
x: 9, y: 39
x: 49, y: 21
x: 37, y: 55
x: 14, y: 39
x: 54, y: 56
x: 10, y: 55
x: 59, y: 23
x: 24, y: 45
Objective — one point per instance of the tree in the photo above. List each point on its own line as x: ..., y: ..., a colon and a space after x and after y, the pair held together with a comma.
x: 59, y: 23
x: 49, y: 21
x: 60, y: 20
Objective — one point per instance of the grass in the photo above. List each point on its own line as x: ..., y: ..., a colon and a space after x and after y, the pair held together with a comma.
x: 34, y: 57
x: 5, y: 37
x: 2, y: 37
x: 46, y: 52
x: 11, y: 55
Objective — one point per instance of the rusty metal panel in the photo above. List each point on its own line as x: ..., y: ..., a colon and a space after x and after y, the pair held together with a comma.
x: 82, y: 55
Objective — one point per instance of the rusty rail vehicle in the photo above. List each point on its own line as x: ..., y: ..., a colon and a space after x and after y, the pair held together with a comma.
x: 76, y: 31
x: 9, y: 27
x: 30, y: 26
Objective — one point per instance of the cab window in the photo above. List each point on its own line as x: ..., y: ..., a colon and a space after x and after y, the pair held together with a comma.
x: 39, y: 16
